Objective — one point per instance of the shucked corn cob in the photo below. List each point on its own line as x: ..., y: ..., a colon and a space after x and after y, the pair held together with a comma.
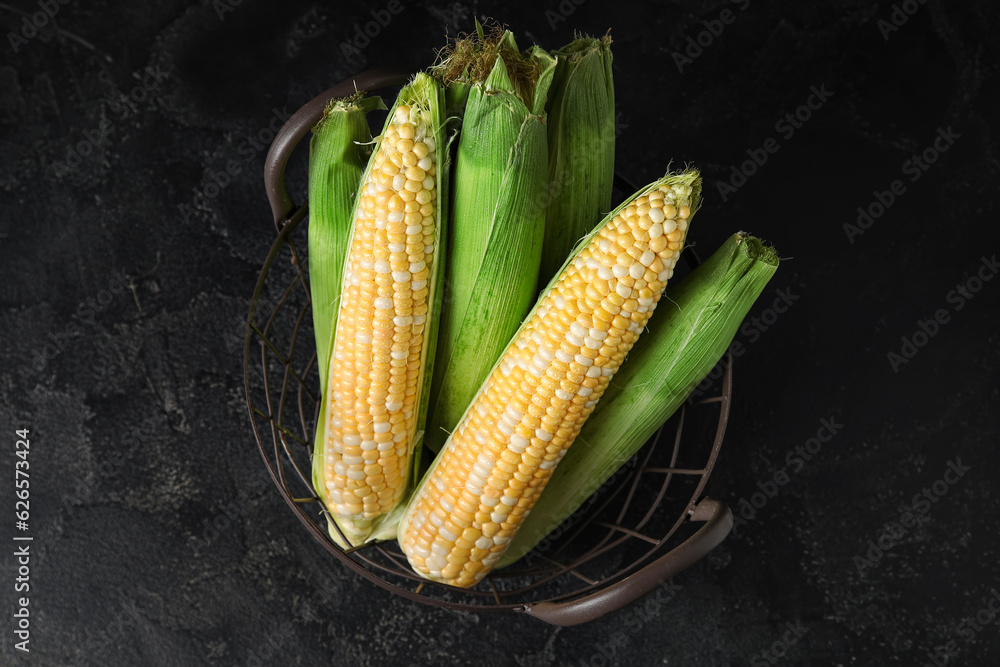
x: 338, y: 153
x: 495, y: 242
x: 526, y: 415
x: 384, y: 333
x: 681, y: 346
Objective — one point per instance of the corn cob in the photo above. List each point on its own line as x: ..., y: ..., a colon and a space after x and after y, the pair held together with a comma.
x: 581, y: 134
x: 680, y: 347
x: 384, y: 336
x: 338, y: 152
x: 495, y: 240
x: 526, y: 415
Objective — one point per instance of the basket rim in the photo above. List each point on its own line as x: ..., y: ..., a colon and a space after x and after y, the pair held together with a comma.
x: 288, y: 226
x: 287, y: 218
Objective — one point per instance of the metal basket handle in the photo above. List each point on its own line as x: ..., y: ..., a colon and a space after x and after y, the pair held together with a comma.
x: 304, y: 120
x: 718, y: 522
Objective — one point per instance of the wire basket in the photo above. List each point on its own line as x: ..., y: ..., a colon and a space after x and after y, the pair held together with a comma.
x: 637, y: 531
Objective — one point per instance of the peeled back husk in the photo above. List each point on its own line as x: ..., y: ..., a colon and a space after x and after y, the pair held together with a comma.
x: 497, y: 221
x: 685, y: 338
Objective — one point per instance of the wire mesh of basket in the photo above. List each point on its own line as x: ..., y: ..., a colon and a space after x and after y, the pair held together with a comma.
x: 648, y: 522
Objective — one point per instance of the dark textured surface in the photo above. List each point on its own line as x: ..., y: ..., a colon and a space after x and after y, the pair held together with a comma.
x: 123, y: 292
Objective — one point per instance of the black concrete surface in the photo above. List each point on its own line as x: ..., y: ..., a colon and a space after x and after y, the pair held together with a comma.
x: 128, y: 259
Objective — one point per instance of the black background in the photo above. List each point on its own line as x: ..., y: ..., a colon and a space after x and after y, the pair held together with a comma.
x: 139, y: 430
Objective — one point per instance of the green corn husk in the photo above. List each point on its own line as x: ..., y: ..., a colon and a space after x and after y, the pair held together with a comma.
x: 456, y: 96
x: 691, y: 330
x: 581, y: 134
x: 497, y: 222
x: 338, y: 152
x: 423, y: 91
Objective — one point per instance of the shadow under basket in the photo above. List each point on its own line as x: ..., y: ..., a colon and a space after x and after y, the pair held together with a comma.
x: 648, y: 522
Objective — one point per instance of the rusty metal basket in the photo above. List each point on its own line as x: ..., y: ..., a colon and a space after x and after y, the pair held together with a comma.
x: 624, y: 543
